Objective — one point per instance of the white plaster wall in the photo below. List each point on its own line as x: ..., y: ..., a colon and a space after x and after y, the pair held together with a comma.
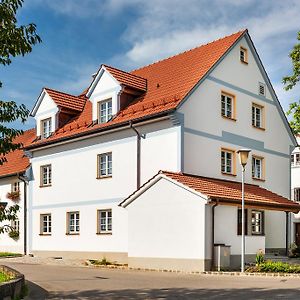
x: 75, y: 187
x: 47, y: 109
x: 167, y: 221
x: 226, y: 232
x: 6, y: 243
x: 107, y: 87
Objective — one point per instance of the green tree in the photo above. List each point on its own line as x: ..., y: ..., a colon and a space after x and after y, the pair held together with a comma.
x: 290, y: 82
x: 15, y: 40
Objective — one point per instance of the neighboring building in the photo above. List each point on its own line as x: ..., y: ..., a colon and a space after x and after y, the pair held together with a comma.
x: 187, y: 114
x: 295, y: 185
x: 12, y: 174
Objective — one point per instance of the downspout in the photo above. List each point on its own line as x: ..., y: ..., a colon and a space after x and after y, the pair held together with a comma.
x: 286, y: 233
x: 138, y: 155
x: 213, y: 234
x: 25, y: 211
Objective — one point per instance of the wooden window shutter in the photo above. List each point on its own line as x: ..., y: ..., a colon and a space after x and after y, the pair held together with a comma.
x: 239, y: 222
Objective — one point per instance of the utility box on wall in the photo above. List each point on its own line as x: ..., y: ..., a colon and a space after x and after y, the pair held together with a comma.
x: 221, y: 257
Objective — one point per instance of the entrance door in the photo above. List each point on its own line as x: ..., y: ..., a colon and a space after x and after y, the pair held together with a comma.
x: 297, y: 238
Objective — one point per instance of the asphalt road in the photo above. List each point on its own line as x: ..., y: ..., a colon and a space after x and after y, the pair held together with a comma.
x: 64, y: 282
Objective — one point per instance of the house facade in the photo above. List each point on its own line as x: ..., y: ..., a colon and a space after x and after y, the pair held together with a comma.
x: 187, y: 115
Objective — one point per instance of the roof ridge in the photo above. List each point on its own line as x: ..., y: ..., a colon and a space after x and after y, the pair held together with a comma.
x: 57, y: 91
x: 127, y: 72
x: 188, y: 50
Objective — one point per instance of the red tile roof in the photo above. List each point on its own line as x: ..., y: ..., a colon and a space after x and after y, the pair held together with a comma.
x: 230, y: 191
x: 169, y: 81
x: 128, y: 79
x: 17, y: 162
x: 66, y: 100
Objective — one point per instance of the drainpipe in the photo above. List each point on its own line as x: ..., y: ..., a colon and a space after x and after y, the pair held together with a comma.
x: 213, y: 234
x: 138, y: 155
x: 286, y: 233
x: 23, y: 179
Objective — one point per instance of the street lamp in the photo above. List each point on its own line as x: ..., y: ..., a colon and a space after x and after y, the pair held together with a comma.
x: 243, y: 155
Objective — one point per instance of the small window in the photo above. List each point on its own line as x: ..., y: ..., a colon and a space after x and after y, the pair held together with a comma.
x: 227, y: 161
x: 295, y: 159
x: 104, y: 165
x: 257, y: 222
x: 105, y: 221
x: 227, y: 105
x: 46, y: 128
x: 257, y: 167
x: 239, y: 221
x: 46, y: 175
x: 297, y: 194
x: 243, y: 55
x: 15, y: 186
x: 257, y: 116
x: 46, y: 224
x: 73, y: 222
x: 15, y: 225
x: 292, y: 160
x: 262, y: 89
x: 104, y: 111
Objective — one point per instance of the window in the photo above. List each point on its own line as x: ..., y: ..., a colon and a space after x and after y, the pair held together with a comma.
x: 73, y: 222
x: 257, y: 167
x: 297, y: 194
x: 15, y: 225
x: 46, y: 224
x: 46, y: 174
x: 46, y: 128
x: 257, y: 222
x: 104, y: 221
x: 227, y: 161
x: 227, y: 105
x: 104, y: 165
x: 257, y: 116
x: 239, y: 221
x: 262, y: 89
x: 104, y: 111
x: 15, y: 186
x: 243, y: 55
x: 295, y: 159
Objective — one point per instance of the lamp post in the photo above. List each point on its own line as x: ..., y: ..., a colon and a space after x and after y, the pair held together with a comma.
x: 243, y: 155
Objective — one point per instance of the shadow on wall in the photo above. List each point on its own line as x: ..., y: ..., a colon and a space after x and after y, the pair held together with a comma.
x: 179, y: 294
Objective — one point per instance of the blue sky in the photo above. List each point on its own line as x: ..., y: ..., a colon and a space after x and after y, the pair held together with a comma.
x: 79, y: 35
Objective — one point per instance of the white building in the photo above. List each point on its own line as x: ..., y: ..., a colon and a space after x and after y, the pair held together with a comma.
x: 188, y: 115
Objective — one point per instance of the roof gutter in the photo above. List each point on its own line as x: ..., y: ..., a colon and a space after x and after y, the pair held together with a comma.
x: 103, y: 130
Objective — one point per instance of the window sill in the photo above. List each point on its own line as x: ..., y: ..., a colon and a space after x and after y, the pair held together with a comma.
x: 72, y: 233
x: 45, y: 234
x: 244, y: 62
x: 46, y: 185
x: 228, y: 174
x: 259, y: 128
x: 104, y: 177
x: 104, y: 233
x: 228, y: 118
x: 259, y: 179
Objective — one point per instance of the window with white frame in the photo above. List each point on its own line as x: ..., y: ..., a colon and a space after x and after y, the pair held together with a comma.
x: 243, y: 55
x: 104, y: 165
x: 46, y: 128
x: 257, y: 222
x: 46, y: 224
x: 227, y: 161
x: 262, y: 89
x: 257, y: 116
x: 227, y: 105
x: 46, y: 175
x: 105, y: 221
x: 73, y: 222
x: 297, y: 194
x: 15, y: 186
x: 104, y: 111
x: 295, y: 159
x: 15, y: 225
x: 257, y: 167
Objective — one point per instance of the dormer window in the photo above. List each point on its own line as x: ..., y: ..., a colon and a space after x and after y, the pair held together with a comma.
x: 104, y: 111
x: 46, y: 128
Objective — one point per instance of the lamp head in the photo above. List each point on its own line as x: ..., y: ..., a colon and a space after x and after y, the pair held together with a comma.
x: 243, y: 155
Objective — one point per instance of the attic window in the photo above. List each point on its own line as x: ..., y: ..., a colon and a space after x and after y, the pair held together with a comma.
x: 46, y: 128
x: 104, y: 111
x: 243, y: 55
x: 262, y: 89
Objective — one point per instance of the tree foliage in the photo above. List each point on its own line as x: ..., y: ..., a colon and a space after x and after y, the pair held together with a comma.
x: 15, y: 40
x: 290, y: 82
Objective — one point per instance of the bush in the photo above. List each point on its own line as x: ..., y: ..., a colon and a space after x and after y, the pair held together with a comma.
x: 14, y: 234
x: 275, y: 267
x: 259, y: 259
x: 294, y: 251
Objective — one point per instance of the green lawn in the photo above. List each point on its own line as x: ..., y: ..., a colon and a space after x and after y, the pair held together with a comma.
x: 9, y: 254
x: 4, y: 277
